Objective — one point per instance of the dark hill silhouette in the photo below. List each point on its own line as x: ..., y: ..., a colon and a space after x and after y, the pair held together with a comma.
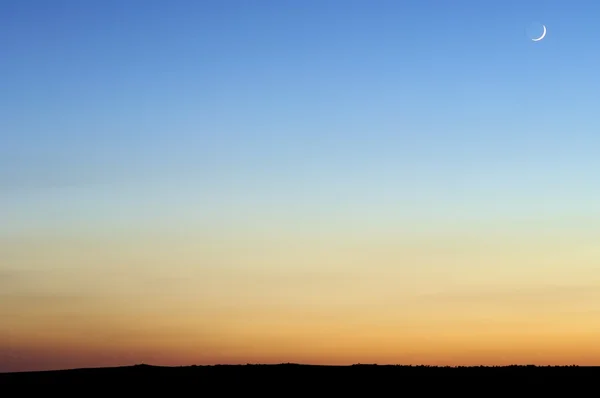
x: 284, y: 379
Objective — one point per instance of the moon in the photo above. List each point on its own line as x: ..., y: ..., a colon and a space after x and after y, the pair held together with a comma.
x: 542, y: 36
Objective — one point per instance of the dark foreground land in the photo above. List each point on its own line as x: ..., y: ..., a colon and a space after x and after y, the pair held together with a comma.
x: 287, y: 379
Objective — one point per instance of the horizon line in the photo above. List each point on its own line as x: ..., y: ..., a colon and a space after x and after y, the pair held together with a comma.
x: 138, y: 365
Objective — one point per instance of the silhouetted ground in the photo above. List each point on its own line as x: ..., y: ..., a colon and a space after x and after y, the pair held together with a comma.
x: 287, y: 379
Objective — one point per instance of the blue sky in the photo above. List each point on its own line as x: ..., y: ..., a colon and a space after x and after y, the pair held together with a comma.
x: 111, y: 107
x: 316, y: 181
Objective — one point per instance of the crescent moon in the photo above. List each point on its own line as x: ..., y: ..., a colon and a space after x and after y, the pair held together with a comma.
x: 542, y: 36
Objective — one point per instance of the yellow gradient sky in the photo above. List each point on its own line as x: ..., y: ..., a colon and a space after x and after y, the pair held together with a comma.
x: 180, y: 296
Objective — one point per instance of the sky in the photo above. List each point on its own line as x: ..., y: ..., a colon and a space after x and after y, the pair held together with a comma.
x: 319, y: 181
